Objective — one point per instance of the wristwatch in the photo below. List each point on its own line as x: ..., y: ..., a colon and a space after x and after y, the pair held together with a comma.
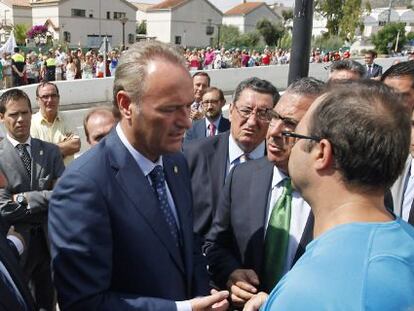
x: 21, y: 199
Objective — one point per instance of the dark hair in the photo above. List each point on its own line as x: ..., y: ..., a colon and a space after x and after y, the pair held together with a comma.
x: 215, y: 89
x: 369, y: 130
x: 257, y: 85
x: 13, y: 94
x: 43, y: 84
x: 372, y: 53
x: 307, y: 86
x: 348, y: 64
x: 400, y: 69
x: 202, y: 74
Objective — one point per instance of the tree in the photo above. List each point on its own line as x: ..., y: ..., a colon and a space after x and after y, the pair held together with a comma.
x: 20, y: 31
x: 351, y: 20
x: 385, y: 39
x: 228, y: 35
x: 142, y: 28
x: 327, y: 43
x: 250, y: 39
x: 270, y: 32
x: 343, y: 16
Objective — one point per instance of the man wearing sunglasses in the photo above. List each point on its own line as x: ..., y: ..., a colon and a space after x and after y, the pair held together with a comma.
x: 211, y: 159
x: 351, y: 147
x: 251, y: 219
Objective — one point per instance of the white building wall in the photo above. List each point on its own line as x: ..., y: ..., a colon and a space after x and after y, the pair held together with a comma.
x: 237, y: 21
x: 6, y: 14
x: 159, y: 25
x: 190, y: 22
x: 141, y: 16
x: 94, y: 23
x: 41, y: 13
x: 22, y: 15
x: 253, y: 17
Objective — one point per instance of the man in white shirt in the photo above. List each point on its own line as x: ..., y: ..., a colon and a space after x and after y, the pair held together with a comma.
x: 239, y: 254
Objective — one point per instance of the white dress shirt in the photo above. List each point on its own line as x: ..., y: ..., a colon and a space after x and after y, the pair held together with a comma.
x: 216, y: 123
x: 236, y: 153
x: 408, y: 194
x: 299, y: 215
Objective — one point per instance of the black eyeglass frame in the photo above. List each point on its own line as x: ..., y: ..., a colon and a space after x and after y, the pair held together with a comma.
x: 300, y: 136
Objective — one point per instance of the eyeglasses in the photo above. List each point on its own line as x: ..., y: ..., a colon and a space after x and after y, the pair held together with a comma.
x: 263, y: 115
x: 297, y: 136
x: 288, y: 123
x: 51, y: 96
x: 211, y: 101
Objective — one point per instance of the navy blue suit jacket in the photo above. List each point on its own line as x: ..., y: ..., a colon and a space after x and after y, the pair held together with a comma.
x: 375, y: 72
x: 111, y: 247
x: 198, y: 129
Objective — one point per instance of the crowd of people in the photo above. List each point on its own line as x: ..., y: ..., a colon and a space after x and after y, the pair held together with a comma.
x: 20, y: 68
x: 299, y: 201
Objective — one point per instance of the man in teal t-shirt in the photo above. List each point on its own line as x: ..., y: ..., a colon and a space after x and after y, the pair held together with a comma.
x: 348, y: 149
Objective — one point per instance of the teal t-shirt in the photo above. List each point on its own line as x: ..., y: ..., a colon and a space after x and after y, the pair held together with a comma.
x: 357, y: 266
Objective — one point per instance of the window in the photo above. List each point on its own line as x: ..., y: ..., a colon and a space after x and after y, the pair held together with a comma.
x: 118, y: 15
x: 66, y: 36
x: 131, y: 38
x: 90, y: 15
x: 108, y: 15
x: 78, y: 12
x: 177, y: 40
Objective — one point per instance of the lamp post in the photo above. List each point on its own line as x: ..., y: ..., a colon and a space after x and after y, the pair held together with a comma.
x: 5, y: 16
x: 123, y: 21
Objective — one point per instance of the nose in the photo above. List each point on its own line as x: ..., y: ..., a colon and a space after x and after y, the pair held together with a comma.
x: 275, y: 130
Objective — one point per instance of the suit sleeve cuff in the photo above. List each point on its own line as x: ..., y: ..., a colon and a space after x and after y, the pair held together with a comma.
x: 183, y: 305
x: 17, y: 243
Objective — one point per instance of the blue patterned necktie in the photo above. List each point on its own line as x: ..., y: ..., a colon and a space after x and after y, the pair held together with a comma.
x: 158, y: 183
x: 24, y: 155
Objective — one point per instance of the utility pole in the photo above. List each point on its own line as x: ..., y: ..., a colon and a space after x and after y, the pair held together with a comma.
x: 389, y: 11
x: 301, y: 40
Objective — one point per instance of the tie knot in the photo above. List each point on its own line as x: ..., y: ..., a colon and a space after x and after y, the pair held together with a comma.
x: 157, y: 174
x: 287, y: 186
x: 21, y: 147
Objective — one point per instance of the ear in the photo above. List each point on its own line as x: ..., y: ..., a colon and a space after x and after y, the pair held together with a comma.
x: 1, y: 116
x: 124, y: 104
x: 231, y: 108
x: 323, y: 153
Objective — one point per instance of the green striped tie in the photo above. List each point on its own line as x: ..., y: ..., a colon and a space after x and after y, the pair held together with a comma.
x: 277, y: 238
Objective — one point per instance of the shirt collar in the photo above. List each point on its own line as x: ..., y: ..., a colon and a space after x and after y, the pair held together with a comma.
x: 43, y: 119
x: 236, y: 152
x: 215, y: 122
x: 15, y: 142
x: 144, y: 163
x: 278, y: 177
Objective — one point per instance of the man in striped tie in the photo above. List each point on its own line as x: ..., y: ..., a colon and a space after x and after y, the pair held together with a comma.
x: 31, y: 168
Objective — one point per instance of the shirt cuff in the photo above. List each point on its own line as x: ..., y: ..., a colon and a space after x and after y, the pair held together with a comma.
x: 19, y: 245
x: 183, y: 305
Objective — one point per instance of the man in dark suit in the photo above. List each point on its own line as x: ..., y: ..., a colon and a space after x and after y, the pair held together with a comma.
x: 120, y: 218
x: 401, y: 78
x: 31, y: 168
x: 372, y: 70
x: 213, y: 122
x: 236, y: 246
x: 211, y: 159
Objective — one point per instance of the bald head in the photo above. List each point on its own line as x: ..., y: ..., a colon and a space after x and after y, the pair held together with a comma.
x: 98, y: 123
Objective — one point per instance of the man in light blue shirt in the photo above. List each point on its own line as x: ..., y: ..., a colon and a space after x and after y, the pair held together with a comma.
x: 343, y: 159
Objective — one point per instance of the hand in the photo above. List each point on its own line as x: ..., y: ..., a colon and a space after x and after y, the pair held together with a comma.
x: 255, y: 302
x: 217, y: 301
x: 242, y: 285
x: 70, y: 145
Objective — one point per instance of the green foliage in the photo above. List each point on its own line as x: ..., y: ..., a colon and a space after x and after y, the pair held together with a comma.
x: 410, y: 36
x: 142, y: 28
x: 327, y: 43
x: 270, y: 32
x: 388, y: 34
x: 20, y: 31
x: 287, y: 15
x: 351, y: 20
x: 343, y: 16
x: 286, y: 41
x: 250, y: 39
x: 228, y: 35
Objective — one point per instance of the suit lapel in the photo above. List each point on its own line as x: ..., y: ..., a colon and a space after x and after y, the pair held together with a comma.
x: 137, y: 187
x: 38, y: 160
x: 218, y: 162
x: 259, y: 189
x: 181, y: 196
x: 12, y: 161
x: 200, y: 128
x: 224, y: 125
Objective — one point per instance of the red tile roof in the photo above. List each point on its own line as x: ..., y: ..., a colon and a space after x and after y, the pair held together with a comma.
x: 167, y: 4
x: 243, y: 8
x: 20, y: 3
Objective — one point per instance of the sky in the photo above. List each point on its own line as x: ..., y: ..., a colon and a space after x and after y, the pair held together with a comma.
x: 224, y: 5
